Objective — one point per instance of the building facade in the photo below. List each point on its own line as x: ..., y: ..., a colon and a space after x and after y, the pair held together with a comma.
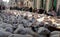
x: 45, y: 4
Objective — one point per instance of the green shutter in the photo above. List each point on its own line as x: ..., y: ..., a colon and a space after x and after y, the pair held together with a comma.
x: 44, y: 4
x: 50, y: 4
x: 34, y: 3
x: 55, y: 3
x: 41, y: 4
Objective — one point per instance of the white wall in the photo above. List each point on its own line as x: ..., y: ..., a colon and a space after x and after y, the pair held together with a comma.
x: 38, y: 4
x: 47, y: 5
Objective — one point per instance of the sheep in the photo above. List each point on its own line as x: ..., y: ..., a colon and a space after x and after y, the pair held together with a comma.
x: 4, y: 25
x: 18, y: 35
x: 43, y: 32
x: 4, y: 33
x: 9, y: 29
x: 55, y: 34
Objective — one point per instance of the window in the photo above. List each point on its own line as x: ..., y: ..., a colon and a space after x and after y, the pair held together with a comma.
x: 6, y: 1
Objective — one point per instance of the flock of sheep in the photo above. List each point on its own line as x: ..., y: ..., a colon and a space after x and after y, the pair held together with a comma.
x: 20, y: 26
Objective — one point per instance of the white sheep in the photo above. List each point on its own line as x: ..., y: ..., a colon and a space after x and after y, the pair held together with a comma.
x: 55, y: 34
x: 4, y: 33
x: 18, y: 35
x: 43, y: 31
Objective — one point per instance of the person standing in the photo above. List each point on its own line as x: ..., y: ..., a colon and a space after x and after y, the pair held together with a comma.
x: 52, y: 12
x: 58, y: 12
x: 30, y: 9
